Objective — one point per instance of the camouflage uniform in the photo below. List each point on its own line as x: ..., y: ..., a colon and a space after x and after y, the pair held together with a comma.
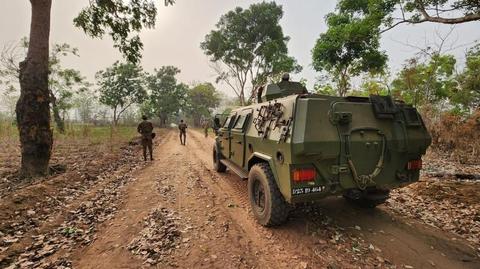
x: 145, y: 128
x: 183, y: 132
x: 206, y: 125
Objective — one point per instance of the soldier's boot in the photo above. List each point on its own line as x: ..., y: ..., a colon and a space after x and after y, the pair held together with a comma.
x: 150, y: 149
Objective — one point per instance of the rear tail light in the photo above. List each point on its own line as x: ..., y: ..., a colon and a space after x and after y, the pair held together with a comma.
x: 414, y: 165
x: 304, y: 174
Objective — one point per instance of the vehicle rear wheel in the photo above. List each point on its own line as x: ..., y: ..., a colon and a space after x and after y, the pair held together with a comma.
x: 368, y: 198
x: 267, y: 203
x: 217, y: 165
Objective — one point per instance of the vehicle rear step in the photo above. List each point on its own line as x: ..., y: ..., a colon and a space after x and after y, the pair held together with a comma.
x: 235, y: 168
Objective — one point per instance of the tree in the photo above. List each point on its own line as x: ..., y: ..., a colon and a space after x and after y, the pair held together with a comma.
x: 85, y: 103
x: 356, y: 26
x: 117, y: 18
x: 60, y: 81
x: 121, y: 86
x: 426, y: 83
x: 348, y: 48
x: 167, y: 96
x: 467, y: 94
x: 202, y: 99
x: 387, y: 14
x: 248, y: 46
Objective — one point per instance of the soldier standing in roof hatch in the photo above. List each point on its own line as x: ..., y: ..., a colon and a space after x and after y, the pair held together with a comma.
x: 183, y: 132
x: 145, y: 128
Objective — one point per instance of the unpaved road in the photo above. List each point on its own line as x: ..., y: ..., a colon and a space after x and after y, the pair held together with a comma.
x: 217, y: 230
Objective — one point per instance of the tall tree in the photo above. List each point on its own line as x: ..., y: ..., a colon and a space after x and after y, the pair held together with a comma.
x: 121, y: 86
x: 248, y: 47
x: 202, y: 99
x: 117, y: 18
x: 33, y: 106
x: 356, y: 26
x: 348, y: 48
x: 167, y: 95
x: 426, y: 83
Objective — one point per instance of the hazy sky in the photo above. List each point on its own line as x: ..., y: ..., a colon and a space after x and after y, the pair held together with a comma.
x: 180, y: 29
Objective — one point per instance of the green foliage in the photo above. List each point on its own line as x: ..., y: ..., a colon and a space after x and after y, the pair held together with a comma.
x: 350, y: 46
x: 121, y: 86
x: 251, y: 45
x: 119, y: 19
x: 61, y: 81
x: 85, y: 103
x: 202, y: 99
x: 167, y: 95
x: 374, y: 85
x: 426, y: 83
x: 325, y: 89
x: 467, y: 95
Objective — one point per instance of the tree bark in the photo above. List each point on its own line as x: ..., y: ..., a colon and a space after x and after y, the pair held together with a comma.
x: 33, y: 106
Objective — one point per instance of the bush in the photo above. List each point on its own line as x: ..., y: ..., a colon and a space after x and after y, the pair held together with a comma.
x: 457, y: 135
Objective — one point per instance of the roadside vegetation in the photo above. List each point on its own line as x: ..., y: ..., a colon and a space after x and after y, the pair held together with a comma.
x: 69, y: 146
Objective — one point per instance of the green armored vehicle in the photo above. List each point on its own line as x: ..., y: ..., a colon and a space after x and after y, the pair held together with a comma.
x: 296, y: 147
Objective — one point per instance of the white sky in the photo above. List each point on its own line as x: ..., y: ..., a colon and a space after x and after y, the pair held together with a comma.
x: 180, y: 29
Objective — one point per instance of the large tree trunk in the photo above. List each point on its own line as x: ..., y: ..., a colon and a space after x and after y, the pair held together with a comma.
x: 33, y: 106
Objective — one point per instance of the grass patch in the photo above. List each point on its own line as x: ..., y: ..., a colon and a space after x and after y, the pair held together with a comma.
x: 94, y: 134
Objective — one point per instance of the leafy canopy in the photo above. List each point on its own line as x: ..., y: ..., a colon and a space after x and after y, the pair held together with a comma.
x: 121, y: 86
x: 119, y: 19
x: 202, y: 99
x: 467, y: 94
x: 426, y: 83
x: 349, y: 47
x: 251, y: 46
x: 167, y: 95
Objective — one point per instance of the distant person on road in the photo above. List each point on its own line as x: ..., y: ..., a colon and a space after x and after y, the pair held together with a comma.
x: 145, y: 128
x: 206, y: 125
x: 183, y: 132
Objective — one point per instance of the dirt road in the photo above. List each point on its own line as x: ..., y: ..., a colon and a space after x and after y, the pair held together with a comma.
x: 208, y: 225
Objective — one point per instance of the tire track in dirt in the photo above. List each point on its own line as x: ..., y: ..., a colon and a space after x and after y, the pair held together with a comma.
x: 288, y: 251
x: 83, y: 207
x: 399, y: 240
x: 209, y: 239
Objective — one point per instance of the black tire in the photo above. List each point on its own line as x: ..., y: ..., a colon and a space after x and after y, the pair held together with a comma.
x: 269, y: 208
x: 368, y: 198
x: 217, y: 165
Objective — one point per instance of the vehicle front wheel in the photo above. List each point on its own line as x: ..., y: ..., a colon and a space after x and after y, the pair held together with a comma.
x: 217, y: 165
x: 267, y: 203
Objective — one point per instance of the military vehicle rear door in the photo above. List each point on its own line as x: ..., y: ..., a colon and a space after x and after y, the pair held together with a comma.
x: 237, y: 132
x: 364, y: 139
x: 225, y: 137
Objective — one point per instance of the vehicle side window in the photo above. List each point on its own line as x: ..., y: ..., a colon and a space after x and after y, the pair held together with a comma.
x: 229, y: 121
x: 226, y: 123
x: 240, y: 122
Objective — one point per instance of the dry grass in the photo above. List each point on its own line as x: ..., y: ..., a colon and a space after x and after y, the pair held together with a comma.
x: 457, y: 136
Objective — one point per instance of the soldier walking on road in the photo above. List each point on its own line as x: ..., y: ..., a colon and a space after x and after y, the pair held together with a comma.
x: 145, y: 128
x: 183, y: 132
x: 206, y: 125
